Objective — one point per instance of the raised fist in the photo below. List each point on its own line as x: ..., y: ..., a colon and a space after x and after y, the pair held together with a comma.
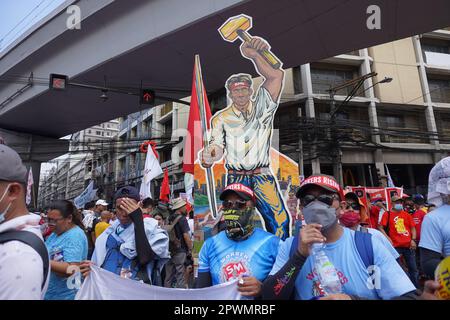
x: 251, y: 49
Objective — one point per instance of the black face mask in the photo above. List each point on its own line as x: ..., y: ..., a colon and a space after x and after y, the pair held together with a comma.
x: 319, y: 212
x: 239, y: 223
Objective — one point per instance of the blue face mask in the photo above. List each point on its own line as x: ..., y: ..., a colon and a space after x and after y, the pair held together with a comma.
x: 398, y: 207
x: 3, y: 214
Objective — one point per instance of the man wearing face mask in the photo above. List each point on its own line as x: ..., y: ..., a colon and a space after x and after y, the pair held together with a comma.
x: 400, y: 228
x: 132, y: 247
x: 241, y: 251
x: 353, y: 212
x: 294, y: 276
x: 24, y: 261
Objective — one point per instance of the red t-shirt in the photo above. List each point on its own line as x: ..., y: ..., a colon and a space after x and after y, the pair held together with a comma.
x: 418, y: 218
x: 400, y: 224
x: 373, y: 219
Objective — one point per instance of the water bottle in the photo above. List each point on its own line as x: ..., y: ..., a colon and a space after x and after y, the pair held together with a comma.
x: 328, y: 277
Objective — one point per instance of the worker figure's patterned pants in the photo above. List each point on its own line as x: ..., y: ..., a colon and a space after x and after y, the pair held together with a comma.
x: 269, y: 201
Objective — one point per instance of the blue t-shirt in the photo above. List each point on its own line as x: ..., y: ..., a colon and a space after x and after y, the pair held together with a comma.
x: 226, y: 259
x: 377, y: 234
x: 71, y: 246
x: 390, y: 279
x: 435, y: 232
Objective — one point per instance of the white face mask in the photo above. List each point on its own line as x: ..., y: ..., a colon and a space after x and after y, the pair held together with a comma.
x: 3, y: 214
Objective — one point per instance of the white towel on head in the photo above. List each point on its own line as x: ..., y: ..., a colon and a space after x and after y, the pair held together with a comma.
x: 439, y: 182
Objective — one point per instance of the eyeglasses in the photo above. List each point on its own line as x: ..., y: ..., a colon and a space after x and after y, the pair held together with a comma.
x: 352, y: 205
x: 239, y: 204
x: 53, y: 221
x: 325, y: 198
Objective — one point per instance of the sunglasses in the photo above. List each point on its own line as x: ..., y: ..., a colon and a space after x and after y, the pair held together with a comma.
x: 325, y: 198
x: 352, y: 205
x: 238, y: 204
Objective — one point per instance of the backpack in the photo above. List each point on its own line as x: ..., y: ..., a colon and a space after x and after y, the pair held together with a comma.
x: 363, y: 241
x: 33, y: 241
x: 174, y: 242
x: 116, y: 262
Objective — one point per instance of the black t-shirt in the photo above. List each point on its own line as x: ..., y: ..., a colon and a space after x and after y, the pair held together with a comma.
x: 181, y: 227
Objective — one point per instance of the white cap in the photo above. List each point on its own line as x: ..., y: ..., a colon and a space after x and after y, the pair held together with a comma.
x: 177, y: 203
x: 101, y: 203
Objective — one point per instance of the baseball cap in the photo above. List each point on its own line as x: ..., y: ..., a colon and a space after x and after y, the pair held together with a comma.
x: 324, y: 181
x: 177, y: 203
x: 396, y: 198
x: 11, y: 166
x: 241, y: 190
x: 418, y: 199
x: 128, y: 192
x: 101, y: 203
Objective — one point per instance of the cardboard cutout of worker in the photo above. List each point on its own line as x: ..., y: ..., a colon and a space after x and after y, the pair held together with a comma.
x: 241, y: 133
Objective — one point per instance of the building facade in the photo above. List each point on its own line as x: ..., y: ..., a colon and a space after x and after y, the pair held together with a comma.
x: 401, y: 125
x: 165, y: 125
x: 92, y: 155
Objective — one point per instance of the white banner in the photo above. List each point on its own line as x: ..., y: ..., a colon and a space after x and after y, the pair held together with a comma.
x: 105, y: 285
x: 87, y: 195
x: 189, y: 187
x: 152, y: 170
x: 29, y: 186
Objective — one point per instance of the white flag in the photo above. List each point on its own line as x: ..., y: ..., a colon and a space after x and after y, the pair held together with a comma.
x: 29, y: 186
x: 189, y: 187
x: 152, y: 170
x: 105, y: 285
x: 87, y: 195
x: 390, y: 182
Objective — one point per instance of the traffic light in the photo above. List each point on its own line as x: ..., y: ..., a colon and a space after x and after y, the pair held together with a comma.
x: 378, y: 174
x: 58, y: 81
x: 147, y: 96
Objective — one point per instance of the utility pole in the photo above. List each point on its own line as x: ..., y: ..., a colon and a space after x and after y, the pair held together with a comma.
x: 101, y: 166
x: 337, y: 152
x: 301, y: 172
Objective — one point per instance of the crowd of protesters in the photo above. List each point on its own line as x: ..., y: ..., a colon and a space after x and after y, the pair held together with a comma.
x: 152, y: 242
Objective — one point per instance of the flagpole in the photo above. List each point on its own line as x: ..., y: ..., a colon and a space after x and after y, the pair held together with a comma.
x: 34, y: 197
x: 201, y: 103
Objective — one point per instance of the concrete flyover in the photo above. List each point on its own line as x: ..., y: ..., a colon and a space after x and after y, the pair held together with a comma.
x: 154, y: 42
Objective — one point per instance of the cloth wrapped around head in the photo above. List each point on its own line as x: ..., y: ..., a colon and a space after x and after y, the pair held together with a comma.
x: 439, y: 183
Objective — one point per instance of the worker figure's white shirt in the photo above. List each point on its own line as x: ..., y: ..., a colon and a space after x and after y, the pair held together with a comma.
x: 21, y: 267
x: 246, y: 137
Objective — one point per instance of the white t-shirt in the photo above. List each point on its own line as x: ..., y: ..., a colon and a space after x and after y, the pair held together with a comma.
x: 21, y: 266
x: 191, y: 227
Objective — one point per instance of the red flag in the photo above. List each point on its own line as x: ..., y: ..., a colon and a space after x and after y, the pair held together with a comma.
x: 194, y: 140
x: 165, y: 189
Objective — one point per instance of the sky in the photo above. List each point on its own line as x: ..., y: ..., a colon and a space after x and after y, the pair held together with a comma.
x: 17, y: 16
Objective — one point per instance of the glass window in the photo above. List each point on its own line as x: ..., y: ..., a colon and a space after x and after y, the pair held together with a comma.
x: 439, y: 90
x: 297, y: 78
x: 324, y: 76
x: 435, y: 45
x: 402, y: 127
